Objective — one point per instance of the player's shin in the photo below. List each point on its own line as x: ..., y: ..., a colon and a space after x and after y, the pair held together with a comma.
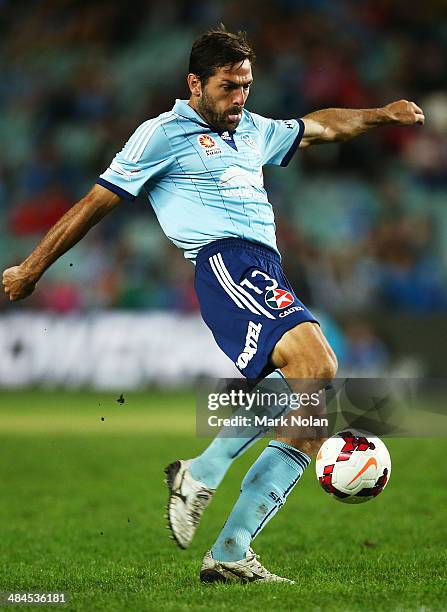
x: 264, y: 491
x: 211, y: 466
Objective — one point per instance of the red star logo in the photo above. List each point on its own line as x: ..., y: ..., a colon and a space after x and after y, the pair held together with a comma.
x: 279, y: 299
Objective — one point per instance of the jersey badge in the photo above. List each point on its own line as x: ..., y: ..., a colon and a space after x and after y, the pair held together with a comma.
x: 249, y: 141
x: 209, y: 145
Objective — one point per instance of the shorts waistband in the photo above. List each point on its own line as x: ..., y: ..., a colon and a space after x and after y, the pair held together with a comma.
x: 227, y: 244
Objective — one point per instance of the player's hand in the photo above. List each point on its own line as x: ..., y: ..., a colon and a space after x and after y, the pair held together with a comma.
x: 403, y: 112
x: 18, y: 283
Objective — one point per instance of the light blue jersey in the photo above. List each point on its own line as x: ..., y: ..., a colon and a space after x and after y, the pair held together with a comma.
x: 204, y: 185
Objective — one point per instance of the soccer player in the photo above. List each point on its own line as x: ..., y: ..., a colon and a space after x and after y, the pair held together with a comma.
x: 200, y: 165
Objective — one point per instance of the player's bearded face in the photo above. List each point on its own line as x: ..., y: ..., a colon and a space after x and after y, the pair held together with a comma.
x: 223, y: 96
x: 217, y: 113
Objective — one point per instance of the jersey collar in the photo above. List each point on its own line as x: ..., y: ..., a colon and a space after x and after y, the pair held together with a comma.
x: 182, y: 108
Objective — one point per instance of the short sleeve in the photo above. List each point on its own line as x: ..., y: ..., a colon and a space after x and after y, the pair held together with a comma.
x: 145, y: 156
x: 280, y: 138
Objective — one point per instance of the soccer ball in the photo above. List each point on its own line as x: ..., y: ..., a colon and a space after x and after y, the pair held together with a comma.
x: 353, y: 466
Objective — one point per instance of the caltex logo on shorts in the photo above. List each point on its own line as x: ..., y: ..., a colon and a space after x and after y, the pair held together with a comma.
x: 278, y: 299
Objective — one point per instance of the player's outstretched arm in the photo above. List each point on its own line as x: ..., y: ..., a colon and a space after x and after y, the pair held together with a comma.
x: 339, y: 124
x: 19, y: 281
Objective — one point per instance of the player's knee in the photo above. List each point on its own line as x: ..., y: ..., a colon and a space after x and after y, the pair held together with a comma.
x: 326, y: 369
x: 333, y: 357
x: 319, y: 365
x: 304, y: 352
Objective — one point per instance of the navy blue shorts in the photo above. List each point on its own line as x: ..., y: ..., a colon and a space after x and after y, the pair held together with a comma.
x: 246, y: 301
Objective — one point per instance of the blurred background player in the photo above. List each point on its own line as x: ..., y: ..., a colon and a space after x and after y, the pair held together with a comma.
x: 201, y: 167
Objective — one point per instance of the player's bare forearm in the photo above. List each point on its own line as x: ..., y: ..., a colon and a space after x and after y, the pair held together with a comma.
x: 340, y: 124
x: 20, y: 281
x: 69, y: 230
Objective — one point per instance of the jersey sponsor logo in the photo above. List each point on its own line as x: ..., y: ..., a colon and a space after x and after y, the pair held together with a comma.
x: 251, y: 345
x: 290, y: 310
x: 243, y: 184
x: 277, y: 299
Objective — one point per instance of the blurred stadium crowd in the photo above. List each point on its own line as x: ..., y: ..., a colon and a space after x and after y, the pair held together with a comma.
x: 362, y: 226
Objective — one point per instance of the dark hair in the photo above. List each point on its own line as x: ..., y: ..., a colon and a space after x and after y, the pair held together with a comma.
x: 217, y: 48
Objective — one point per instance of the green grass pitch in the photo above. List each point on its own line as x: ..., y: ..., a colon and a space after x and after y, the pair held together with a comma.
x: 82, y: 504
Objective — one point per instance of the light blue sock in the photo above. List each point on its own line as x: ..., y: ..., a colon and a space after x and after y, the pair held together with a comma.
x: 211, y: 466
x: 264, y: 491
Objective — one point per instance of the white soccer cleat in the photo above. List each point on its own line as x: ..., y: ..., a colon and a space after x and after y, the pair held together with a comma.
x: 188, y: 499
x: 245, y: 570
